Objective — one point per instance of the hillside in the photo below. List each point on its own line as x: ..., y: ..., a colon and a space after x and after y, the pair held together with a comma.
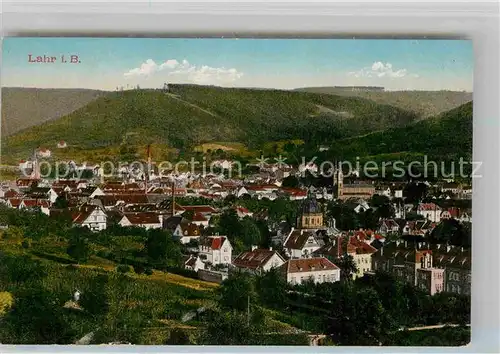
x: 190, y: 115
x: 25, y: 107
x: 424, y: 103
x: 446, y: 137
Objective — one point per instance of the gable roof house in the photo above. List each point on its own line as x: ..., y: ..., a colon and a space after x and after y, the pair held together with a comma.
x: 186, y: 232
x: 32, y: 204
x: 258, y: 260
x: 301, y: 243
x: 147, y: 220
x: 192, y: 262
x: 215, y: 250
x: 318, y: 269
x: 90, y: 216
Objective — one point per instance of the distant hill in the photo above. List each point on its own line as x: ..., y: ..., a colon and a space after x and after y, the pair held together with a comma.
x: 25, y: 107
x: 189, y: 115
x: 424, y: 103
x: 446, y: 137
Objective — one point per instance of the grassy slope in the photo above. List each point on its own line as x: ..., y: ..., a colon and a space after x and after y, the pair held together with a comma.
x: 209, y: 114
x: 26, y: 107
x: 447, y: 136
x: 424, y: 103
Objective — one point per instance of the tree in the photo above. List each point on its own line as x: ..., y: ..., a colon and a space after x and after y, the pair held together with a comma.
x: 250, y: 232
x: 61, y: 202
x: 347, y: 267
x: 94, y: 298
x: 228, y: 328
x: 237, y: 291
x: 78, y: 248
x: 178, y: 337
x: 290, y: 182
x: 35, y: 318
x: 271, y: 287
x: 161, y: 248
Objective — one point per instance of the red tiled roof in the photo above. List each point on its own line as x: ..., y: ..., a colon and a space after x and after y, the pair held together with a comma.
x: 214, y: 242
x: 30, y: 203
x: 428, y: 207
x: 199, y: 217
x: 308, y: 265
x: 142, y: 218
x: 199, y: 208
x: 15, y: 202
x: 254, y: 259
x: 297, y: 239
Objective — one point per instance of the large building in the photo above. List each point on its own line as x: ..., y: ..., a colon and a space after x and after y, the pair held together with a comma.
x: 357, y: 190
x: 433, y: 268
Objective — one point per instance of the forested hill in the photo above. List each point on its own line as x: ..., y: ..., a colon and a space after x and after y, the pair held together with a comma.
x: 25, y: 107
x: 447, y: 136
x: 424, y: 103
x: 188, y: 115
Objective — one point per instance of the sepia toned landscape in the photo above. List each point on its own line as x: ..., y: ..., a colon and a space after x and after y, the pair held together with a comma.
x: 250, y: 192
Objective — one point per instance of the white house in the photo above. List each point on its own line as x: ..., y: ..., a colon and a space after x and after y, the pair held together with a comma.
x: 243, y: 212
x: 193, y: 263
x: 301, y: 243
x: 90, y: 216
x: 27, y: 204
x: 186, y: 232
x: 62, y: 145
x: 215, y: 250
x: 96, y: 192
x: 429, y: 211
x: 145, y: 220
x: 258, y: 260
x: 319, y: 270
x: 44, y: 153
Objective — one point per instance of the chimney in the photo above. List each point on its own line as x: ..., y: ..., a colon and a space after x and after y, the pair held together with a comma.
x: 254, y: 248
x: 270, y: 248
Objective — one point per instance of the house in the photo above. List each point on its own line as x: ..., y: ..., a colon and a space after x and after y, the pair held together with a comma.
x: 258, y: 260
x: 193, y: 263
x: 147, y: 220
x: 301, y: 243
x: 430, y: 280
x: 360, y: 251
x: 90, y: 216
x: 412, y: 262
x: 186, y: 232
x: 62, y: 145
x: 215, y: 250
x: 243, y: 212
x: 388, y: 227
x: 429, y: 211
x: 32, y: 204
x: 318, y: 270
x: 44, y: 153
x: 450, y: 213
x: 13, y: 203
x: 200, y: 220
x: 456, y: 262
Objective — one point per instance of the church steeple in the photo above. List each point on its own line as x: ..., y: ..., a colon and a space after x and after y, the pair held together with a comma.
x: 311, y: 215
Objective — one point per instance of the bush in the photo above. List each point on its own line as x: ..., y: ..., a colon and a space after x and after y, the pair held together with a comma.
x: 139, y: 268
x: 123, y: 268
x: 148, y: 271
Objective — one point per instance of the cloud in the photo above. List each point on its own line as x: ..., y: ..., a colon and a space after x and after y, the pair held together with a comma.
x: 381, y: 70
x: 186, y: 71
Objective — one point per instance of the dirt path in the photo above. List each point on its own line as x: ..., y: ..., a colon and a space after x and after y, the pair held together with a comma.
x: 176, y: 97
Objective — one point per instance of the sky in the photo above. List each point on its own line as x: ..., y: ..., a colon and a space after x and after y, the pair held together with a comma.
x: 108, y: 63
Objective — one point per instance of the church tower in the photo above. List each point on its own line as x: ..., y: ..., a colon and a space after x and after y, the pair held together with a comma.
x: 340, y: 183
x: 311, y: 215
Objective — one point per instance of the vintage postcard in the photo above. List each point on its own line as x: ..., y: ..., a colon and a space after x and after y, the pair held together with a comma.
x: 236, y: 191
